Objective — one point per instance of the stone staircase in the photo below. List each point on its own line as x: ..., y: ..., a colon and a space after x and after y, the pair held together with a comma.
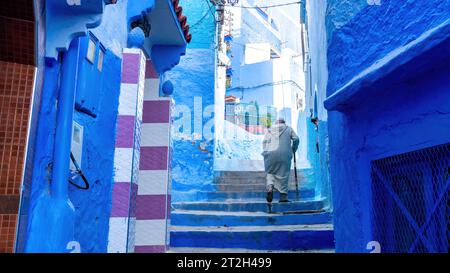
x: 236, y: 217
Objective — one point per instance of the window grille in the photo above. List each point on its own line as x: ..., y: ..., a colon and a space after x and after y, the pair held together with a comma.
x: 411, y: 201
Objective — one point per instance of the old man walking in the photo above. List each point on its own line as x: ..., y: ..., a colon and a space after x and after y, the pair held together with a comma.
x: 279, y: 144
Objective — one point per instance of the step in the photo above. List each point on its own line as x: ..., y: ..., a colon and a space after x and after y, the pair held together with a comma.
x: 224, y: 179
x: 179, y: 196
x: 287, y: 237
x: 237, y: 174
x: 218, y: 218
x: 234, y: 181
x: 242, y: 250
x: 240, y: 187
x: 252, y: 206
x: 245, y: 177
x: 217, y: 196
x: 244, y: 187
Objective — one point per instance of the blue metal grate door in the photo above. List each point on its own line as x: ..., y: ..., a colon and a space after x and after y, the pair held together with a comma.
x: 411, y: 201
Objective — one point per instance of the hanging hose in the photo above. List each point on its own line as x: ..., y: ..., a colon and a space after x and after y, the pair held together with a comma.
x: 78, y: 172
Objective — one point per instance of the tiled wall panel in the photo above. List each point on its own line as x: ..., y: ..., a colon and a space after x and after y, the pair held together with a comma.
x: 17, y: 40
x: 152, y: 206
x: 127, y: 153
x: 16, y: 84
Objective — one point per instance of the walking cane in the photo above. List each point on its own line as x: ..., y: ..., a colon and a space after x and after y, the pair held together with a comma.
x: 296, y: 178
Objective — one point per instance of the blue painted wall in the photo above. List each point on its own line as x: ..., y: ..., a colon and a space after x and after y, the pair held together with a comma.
x: 76, y: 19
x: 316, y: 86
x: 192, y: 164
x: 201, y: 23
x: 354, y: 26
x: 92, y: 207
x: 45, y: 134
x: 410, y: 111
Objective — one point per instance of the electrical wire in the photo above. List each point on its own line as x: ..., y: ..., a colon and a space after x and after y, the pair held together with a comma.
x: 212, y: 13
x: 78, y: 172
x: 267, y: 84
x: 249, y: 46
x: 209, y: 11
x: 193, y: 26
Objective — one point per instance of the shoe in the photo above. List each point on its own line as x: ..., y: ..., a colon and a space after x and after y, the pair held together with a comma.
x: 269, y: 196
x: 283, y: 198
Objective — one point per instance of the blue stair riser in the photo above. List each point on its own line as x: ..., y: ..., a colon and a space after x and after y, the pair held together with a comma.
x: 185, y: 219
x: 178, y: 196
x: 258, y: 174
x: 261, y: 240
x: 219, y: 196
x: 244, y: 188
x: 252, y: 207
x: 239, y: 174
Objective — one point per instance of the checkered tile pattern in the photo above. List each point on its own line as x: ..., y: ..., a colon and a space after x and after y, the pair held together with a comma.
x: 153, y: 200
x: 122, y: 223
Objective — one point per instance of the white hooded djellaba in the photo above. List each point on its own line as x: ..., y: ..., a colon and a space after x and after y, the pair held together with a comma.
x: 278, y: 147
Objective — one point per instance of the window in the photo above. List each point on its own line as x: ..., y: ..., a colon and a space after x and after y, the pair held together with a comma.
x: 90, y: 56
x: 101, y: 54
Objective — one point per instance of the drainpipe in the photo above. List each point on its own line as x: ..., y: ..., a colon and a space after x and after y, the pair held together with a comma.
x: 52, y: 219
x: 63, y: 137
x: 61, y: 213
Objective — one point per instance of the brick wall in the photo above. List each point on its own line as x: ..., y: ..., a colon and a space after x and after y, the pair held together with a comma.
x: 17, y: 60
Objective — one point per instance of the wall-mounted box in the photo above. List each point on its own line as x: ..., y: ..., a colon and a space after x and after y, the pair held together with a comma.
x: 90, y: 76
x: 77, y: 144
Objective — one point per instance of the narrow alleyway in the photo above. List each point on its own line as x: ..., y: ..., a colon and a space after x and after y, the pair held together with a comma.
x: 261, y: 75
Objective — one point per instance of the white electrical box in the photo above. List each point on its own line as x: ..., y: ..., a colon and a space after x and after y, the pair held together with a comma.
x: 77, y: 145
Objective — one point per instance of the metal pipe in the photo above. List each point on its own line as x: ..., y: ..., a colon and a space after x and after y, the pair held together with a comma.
x: 63, y: 137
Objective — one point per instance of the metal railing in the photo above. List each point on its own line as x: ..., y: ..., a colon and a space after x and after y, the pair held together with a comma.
x: 250, y: 117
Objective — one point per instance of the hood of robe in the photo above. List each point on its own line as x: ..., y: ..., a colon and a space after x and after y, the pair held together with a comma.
x: 278, y: 129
